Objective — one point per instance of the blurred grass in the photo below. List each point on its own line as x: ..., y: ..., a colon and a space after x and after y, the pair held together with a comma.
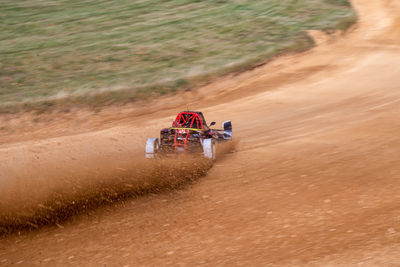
x: 100, y: 51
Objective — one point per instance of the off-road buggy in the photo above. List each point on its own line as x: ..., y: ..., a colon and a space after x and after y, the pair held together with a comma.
x: 189, y: 134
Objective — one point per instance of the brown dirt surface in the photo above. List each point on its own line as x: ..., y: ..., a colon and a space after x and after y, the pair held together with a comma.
x: 314, y: 180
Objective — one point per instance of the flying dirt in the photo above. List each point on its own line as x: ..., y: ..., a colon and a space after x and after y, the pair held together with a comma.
x: 314, y: 179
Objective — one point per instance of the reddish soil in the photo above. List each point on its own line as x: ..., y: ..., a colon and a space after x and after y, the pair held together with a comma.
x: 315, y: 179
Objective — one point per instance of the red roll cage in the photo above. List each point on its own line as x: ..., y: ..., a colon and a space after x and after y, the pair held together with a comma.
x: 189, y: 119
x: 186, y: 121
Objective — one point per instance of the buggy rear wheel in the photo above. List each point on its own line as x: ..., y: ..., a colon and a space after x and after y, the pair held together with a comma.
x: 152, y: 148
x: 210, y: 149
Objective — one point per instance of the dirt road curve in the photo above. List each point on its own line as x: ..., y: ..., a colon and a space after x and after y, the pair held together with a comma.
x: 315, y: 179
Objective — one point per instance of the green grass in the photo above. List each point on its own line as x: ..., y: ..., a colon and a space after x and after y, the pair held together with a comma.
x: 102, y: 50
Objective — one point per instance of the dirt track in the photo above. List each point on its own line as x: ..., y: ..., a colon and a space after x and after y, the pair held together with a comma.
x: 315, y: 180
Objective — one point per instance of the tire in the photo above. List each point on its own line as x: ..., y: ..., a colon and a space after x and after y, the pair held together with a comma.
x: 227, y: 130
x: 152, y: 148
x: 210, y: 149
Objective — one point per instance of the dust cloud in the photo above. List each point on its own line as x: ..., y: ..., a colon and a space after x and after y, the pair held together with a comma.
x: 27, y: 204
